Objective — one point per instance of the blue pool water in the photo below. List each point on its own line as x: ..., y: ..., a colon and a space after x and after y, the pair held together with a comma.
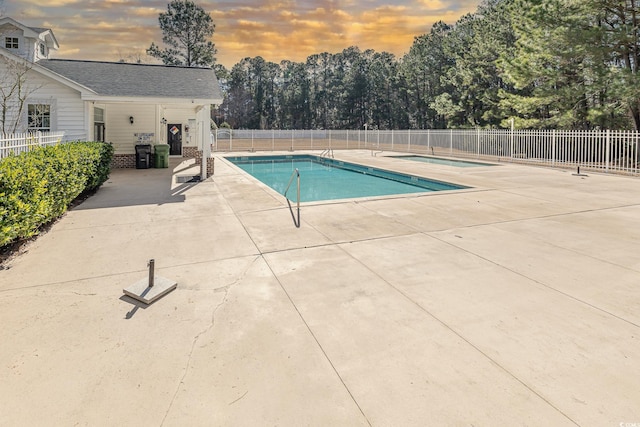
x: 447, y: 162
x: 329, y: 179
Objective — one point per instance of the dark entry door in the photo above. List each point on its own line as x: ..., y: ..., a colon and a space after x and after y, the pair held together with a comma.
x: 174, y: 138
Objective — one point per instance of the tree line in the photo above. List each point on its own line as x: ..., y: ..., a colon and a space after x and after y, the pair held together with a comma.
x: 541, y: 64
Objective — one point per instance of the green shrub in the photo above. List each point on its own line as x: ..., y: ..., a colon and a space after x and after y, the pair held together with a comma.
x: 37, y: 187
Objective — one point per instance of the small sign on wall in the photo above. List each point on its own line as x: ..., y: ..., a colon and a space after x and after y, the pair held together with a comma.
x: 144, y: 138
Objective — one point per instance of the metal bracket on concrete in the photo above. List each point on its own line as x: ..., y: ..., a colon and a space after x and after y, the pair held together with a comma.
x: 151, y: 289
x: 579, y: 174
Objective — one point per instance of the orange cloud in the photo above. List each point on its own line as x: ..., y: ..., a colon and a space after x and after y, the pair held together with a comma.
x: 273, y: 29
x: 296, y: 33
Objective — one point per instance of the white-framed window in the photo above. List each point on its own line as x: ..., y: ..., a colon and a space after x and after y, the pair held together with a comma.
x: 11, y: 43
x: 39, y: 117
x: 98, y: 124
x: 98, y: 115
x: 42, y: 49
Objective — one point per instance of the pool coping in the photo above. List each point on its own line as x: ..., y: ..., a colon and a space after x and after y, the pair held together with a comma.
x: 473, y: 162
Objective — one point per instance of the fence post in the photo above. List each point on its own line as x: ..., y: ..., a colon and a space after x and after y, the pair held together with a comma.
x: 409, y: 140
x: 391, y: 139
x: 511, y: 143
x: 553, y: 148
x: 252, y: 146
x: 636, y: 153
x: 428, y: 139
x: 478, y: 143
x: 608, y: 150
x: 451, y: 141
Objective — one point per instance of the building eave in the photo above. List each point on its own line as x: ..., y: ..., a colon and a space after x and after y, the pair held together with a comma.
x: 150, y: 100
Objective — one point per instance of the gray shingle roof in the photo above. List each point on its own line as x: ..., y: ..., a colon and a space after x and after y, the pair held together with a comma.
x: 39, y: 30
x: 140, y: 80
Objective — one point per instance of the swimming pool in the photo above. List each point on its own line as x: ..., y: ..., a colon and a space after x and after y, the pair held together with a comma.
x: 329, y: 179
x: 446, y: 162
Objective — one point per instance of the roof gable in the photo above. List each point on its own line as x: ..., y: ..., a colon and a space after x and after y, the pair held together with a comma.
x: 21, y: 62
x: 44, y: 34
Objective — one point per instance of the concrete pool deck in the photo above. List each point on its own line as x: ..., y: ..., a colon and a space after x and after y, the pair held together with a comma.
x: 516, y: 302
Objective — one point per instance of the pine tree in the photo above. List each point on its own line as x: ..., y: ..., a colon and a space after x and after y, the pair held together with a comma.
x: 186, y: 30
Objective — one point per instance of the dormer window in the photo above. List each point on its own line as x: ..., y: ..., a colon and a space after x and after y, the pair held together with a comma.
x: 42, y: 49
x: 11, y: 42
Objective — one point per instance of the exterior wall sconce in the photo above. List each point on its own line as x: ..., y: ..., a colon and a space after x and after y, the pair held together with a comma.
x: 163, y: 121
x: 131, y: 119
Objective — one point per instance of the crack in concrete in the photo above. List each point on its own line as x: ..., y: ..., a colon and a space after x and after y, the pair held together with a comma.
x: 245, y: 393
x: 209, y: 327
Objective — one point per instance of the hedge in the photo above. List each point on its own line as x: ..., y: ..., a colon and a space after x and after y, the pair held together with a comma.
x: 37, y: 187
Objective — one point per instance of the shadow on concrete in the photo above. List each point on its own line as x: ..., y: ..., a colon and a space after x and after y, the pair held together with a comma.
x: 136, y: 306
x: 134, y: 187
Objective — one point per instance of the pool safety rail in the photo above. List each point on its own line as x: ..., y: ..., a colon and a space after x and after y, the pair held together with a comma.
x: 327, y: 153
x: 295, y: 174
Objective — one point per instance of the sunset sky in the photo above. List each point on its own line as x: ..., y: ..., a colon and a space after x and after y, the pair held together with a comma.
x: 274, y: 29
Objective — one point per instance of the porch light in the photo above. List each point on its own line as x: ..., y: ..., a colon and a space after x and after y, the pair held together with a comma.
x: 131, y: 119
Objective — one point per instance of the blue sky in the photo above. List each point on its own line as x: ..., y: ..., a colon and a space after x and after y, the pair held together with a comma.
x: 274, y: 29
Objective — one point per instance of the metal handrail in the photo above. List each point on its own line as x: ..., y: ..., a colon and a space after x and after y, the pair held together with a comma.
x: 328, y: 152
x: 295, y: 173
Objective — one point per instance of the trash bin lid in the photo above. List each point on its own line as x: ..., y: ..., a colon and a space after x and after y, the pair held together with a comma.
x: 161, y: 148
x: 141, y: 148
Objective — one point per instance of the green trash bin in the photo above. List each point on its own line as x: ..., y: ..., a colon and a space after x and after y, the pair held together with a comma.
x: 161, y: 155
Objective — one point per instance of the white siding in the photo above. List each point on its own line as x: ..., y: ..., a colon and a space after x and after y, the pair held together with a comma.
x: 67, y: 109
x: 119, y: 130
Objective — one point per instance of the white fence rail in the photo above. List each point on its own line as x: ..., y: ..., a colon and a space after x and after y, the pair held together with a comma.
x: 603, y: 150
x: 14, y: 144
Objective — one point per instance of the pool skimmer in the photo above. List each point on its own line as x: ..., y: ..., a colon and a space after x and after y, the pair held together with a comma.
x: 150, y: 289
